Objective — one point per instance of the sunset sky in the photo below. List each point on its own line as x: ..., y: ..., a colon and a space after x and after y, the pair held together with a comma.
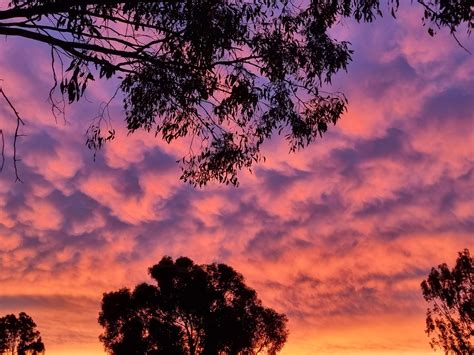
x: 338, y: 236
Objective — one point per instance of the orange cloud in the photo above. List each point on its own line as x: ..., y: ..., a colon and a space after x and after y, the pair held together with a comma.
x: 337, y: 236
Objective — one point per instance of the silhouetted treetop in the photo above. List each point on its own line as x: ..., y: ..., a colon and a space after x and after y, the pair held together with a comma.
x: 225, y: 73
x: 192, y: 309
x: 450, y: 293
x: 18, y: 336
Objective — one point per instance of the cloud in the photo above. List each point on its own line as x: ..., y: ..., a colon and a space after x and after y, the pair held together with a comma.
x: 337, y: 236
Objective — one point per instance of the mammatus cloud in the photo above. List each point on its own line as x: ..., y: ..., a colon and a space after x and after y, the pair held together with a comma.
x: 338, y: 236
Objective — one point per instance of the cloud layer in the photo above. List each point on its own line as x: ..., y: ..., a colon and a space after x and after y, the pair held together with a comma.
x: 338, y: 236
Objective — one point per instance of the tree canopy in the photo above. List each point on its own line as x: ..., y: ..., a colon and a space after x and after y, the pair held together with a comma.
x: 227, y: 74
x: 192, y: 309
x: 19, y: 336
x: 450, y: 317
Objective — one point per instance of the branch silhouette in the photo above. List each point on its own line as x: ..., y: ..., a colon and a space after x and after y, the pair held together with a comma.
x: 226, y: 74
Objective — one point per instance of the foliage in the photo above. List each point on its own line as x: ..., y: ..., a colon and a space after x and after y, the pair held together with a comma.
x: 18, y: 336
x: 227, y: 74
x: 450, y: 318
x: 193, y: 309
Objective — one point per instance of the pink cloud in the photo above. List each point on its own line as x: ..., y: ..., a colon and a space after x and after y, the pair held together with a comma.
x: 337, y: 236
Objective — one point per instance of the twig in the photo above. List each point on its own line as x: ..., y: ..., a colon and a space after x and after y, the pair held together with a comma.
x: 459, y: 42
x: 55, y: 108
x: 17, y: 129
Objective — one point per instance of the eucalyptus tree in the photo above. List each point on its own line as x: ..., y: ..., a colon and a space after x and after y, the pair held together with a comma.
x: 226, y: 74
x: 450, y: 295
x: 19, y: 336
x: 190, y: 309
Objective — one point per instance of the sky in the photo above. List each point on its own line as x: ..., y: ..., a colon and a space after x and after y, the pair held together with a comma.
x: 338, y: 236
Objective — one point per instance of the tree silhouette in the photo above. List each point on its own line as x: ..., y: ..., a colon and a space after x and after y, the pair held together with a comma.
x: 193, y: 309
x: 18, y: 336
x: 450, y: 318
x: 226, y: 73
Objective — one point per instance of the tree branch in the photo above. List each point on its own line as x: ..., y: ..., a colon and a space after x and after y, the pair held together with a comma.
x: 59, y: 6
x: 19, y: 122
